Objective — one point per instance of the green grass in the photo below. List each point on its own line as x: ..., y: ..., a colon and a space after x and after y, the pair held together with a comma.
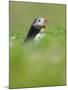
x: 37, y: 64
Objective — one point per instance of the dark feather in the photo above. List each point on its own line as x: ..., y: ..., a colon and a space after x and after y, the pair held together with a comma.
x: 32, y: 33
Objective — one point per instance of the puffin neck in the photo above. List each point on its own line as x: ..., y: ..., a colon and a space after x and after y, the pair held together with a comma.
x: 33, y: 32
x: 35, y: 29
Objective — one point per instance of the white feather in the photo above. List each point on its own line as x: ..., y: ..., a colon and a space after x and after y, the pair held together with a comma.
x: 40, y: 35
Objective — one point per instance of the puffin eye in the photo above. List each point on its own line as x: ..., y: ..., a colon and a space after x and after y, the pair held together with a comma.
x: 39, y: 20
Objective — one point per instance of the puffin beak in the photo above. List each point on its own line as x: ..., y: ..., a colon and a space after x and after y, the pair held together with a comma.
x: 45, y: 21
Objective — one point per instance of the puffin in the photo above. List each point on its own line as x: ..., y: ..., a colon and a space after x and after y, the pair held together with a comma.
x: 37, y: 29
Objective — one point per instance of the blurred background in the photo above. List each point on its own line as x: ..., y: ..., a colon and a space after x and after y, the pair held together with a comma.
x: 37, y: 64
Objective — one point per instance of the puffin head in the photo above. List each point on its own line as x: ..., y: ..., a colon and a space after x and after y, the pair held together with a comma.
x: 37, y: 28
x: 40, y: 22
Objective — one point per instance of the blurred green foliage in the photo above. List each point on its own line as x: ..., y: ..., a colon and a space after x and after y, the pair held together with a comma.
x: 37, y: 64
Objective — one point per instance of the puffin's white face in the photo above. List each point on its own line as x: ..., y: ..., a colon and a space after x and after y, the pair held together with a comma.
x: 39, y: 22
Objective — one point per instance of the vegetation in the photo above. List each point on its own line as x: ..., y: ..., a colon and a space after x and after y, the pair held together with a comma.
x: 37, y: 63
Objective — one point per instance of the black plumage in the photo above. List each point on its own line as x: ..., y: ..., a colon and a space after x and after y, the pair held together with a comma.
x: 32, y: 33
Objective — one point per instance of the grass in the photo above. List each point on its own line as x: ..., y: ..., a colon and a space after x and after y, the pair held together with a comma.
x: 37, y: 64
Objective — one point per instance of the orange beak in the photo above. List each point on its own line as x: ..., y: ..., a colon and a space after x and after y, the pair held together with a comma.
x: 45, y: 21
